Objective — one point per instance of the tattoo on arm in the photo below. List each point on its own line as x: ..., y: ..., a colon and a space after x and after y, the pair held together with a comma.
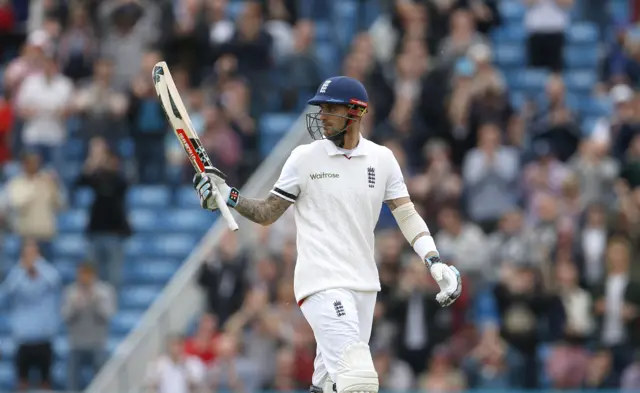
x: 262, y: 211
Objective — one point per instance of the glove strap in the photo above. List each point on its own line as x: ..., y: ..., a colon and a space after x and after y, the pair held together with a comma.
x: 431, y: 260
x: 234, y: 195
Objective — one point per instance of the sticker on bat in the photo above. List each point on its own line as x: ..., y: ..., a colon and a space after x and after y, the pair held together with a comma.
x: 191, y: 151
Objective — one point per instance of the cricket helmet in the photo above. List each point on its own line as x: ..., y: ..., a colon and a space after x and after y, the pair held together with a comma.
x: 339, y: 90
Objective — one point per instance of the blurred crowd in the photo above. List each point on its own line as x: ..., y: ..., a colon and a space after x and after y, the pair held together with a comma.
x: 540, y: 214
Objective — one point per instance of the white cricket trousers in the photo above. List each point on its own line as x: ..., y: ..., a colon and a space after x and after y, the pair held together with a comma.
x: 338, y: 317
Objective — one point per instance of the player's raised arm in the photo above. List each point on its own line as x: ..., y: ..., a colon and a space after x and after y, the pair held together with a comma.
x: 416, y: 231
x: 262, y: 211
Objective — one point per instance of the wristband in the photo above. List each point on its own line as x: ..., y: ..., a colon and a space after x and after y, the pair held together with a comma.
x: 424, y: 245
x: 234, y: 195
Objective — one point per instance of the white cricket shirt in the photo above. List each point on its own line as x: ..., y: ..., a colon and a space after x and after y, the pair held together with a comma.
x: 337, y: 202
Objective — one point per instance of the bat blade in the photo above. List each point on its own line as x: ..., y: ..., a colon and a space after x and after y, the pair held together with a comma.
x: 178, y: 117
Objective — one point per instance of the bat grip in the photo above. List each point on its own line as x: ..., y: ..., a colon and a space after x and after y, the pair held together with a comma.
x: 226, y: 212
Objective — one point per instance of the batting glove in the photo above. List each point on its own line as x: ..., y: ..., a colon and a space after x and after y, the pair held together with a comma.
x: 448, y: 279
x: 210, y: 183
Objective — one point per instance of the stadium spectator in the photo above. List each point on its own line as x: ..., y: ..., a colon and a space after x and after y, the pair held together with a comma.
x: 100, y: 107
x: 421, y: 324
x: 36, y: 220
x: 222, y: 278
x: 546, y: 22
x: 108, y: 225
x: 631, y: 377
x: 78, y: 45
x: 147, y: 121
x: 490, y: 175
x: 231, y: 370
x: 87, y: 308
x: 174, y: 371
x: 43, y: 102
x: 6, y: 127
x: 492, y: 364
x: 203, y: 343
x: 617, y: 305
x: 32, y: 291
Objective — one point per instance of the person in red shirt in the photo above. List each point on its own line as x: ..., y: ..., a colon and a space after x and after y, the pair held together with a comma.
x: 202, y: 343
x: 6, y: 124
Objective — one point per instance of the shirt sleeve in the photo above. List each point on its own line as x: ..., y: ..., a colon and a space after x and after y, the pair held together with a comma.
x: 395, y: 187
x: 288, y: 185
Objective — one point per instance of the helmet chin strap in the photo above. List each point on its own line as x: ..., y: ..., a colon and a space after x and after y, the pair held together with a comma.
x: 338, y: 138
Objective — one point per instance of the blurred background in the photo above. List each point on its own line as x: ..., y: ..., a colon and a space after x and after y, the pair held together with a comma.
x: 516, y: 123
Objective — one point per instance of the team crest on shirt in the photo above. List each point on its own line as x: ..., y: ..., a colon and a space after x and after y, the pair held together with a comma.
x: 339, y: 308
x: 371, y: 173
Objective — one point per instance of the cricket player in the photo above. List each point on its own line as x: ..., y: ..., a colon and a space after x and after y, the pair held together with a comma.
x: 337, y: 184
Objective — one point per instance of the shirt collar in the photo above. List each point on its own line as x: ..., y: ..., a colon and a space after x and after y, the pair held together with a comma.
x: 361, y: 149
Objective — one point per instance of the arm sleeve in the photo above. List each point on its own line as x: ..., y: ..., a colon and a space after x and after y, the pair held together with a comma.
x: 288, y: 185
x: 395, y: 187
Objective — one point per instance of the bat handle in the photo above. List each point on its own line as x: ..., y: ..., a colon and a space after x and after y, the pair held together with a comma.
x: 226, y: 213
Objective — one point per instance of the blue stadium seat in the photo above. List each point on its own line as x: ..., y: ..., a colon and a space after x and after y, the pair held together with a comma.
x: 137, y: 246
x: 514, y: 55
x: 328, y: 56
x: 187, y: 197
x: 11, y: 246
x: 511, y: 10
x: 345, y: 20
x: 234, y: 9
x: 151, y: 271
x: 74, y: 149
x: 581, y: 81
x: 145, y: 220
x: 584, y: 33
x: 61, y: 347
x: 138, y: 296
x: 59, y: 373
x: 577, y: 57
x: 148, y: 196
x: 70, y: 246
x: 324, y: 32
x: 74, y: 220
x: 7, y: 375
x: 517, y: 100
x: 179, y: 245
x: 124, y: 321
x: 5, y: 328
x: 530, y: 81
x: 126, y: 148
x: 591, y: 106
x: 188, y: 220
x: 173, y: 246
x: 11, y: 169
x: 7, y: 347
x: 587, y: 125
x: 509, y: 34
x: 67, y: 268
x: 83, y: 197
x: 272, y: 127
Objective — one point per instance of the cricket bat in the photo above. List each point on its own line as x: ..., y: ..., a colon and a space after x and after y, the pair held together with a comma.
x: 179, y: 119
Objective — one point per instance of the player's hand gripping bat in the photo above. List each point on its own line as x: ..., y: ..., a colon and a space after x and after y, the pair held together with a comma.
x: 179, y: 119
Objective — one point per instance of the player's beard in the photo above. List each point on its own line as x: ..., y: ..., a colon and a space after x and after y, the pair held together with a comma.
x: 331, y: 131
